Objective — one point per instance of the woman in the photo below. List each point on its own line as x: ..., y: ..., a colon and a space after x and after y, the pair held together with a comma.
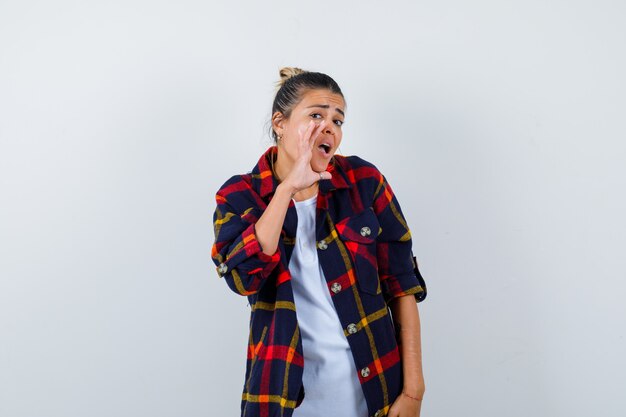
x: 319, y: 245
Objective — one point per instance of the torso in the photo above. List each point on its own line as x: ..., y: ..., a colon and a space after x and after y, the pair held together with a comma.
x: 328, y: 361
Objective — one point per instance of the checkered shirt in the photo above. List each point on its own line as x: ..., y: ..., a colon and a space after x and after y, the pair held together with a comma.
x: 364, y: 248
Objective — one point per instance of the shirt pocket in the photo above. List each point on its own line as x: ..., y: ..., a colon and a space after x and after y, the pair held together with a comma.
x: 358, y: 234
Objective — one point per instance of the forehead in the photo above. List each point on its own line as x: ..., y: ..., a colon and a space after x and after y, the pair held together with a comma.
x: 322, y: 97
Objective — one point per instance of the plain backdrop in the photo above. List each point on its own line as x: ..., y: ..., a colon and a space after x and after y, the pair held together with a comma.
x: 499, y: 125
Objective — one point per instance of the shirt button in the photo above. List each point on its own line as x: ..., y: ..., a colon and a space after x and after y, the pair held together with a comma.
x: 336, y: 287
x: 352, y: 328
x: 222, y: 269
x: 365, y: 372
x: 365, y: 231
x: 322, y: 244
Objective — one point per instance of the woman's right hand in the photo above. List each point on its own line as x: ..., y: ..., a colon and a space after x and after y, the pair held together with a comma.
x: 302, y: 175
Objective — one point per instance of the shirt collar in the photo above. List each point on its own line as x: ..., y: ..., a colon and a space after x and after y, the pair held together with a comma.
x: 264, y: 182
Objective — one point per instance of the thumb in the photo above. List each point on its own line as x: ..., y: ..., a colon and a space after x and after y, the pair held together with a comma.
x: 325, y: 175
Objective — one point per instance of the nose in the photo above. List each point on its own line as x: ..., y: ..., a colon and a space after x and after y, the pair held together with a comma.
x: 329, y: 129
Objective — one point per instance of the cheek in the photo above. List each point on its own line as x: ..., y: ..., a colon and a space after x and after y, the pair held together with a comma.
x: 297, y: 130
x: 339, y: 137
x: 301, y: 128
x: 291, y: 145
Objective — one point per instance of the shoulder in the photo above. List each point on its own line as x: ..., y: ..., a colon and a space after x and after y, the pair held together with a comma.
x: 239, y: 182
x: 359, y: 169
x: 237, y: 193
x: 354, y: 161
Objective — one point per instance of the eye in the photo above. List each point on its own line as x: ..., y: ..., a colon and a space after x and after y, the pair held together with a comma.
x: 319, y: 116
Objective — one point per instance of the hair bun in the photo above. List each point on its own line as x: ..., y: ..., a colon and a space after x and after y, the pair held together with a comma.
x: 287, y: 73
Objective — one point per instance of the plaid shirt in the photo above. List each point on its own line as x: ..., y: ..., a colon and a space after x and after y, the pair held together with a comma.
x: 364, y: 248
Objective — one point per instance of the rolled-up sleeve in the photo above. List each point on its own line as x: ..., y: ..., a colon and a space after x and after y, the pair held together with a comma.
x: 393, y: 246
x: 236, y: 252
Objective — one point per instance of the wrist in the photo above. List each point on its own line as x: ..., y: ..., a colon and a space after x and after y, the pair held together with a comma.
x: 415, y: 390
x: 285, y: 188
x: 416, y: 398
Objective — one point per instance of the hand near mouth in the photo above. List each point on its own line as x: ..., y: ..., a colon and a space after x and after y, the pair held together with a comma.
x: 302, y: 175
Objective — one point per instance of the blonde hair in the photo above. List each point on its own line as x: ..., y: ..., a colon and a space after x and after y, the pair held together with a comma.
x: 287, y: 73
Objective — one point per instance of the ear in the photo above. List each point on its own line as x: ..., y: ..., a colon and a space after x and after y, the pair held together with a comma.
x: 278, y: 122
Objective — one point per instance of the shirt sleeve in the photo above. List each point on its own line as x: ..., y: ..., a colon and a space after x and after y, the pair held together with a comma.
x: 236, y: 251
x: 393, y: 246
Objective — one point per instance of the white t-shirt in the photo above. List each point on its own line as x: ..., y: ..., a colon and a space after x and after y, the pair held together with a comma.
x: 330, y: 378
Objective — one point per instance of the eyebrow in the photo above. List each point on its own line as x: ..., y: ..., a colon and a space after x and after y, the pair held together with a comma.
x: 326, y: 106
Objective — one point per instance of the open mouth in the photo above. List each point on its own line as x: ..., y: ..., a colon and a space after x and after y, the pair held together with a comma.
x: 325, y: 147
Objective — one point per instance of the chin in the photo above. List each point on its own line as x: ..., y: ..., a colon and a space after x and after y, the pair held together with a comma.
x: 319, y: 166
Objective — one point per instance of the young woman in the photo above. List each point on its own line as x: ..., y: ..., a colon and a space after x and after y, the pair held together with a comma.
x: 319, y: 245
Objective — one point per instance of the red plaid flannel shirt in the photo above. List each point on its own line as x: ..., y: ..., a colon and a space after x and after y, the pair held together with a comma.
x: 364, y: 247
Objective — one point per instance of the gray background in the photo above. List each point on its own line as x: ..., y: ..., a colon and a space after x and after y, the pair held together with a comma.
x: 499, y: 124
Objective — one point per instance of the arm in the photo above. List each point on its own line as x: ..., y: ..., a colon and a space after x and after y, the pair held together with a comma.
x: 407, y: 323
x: 400, y: 286
x: 271, y: 222
x: 246, y: 247
x: 301, y: 176
x: 394, y: 245
x: 237, y: 251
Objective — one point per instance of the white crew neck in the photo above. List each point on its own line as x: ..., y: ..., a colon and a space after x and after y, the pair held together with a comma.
x: 306, y: 202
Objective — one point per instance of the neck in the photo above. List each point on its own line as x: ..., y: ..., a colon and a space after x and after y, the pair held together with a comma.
x: 282, y: 165
x: 307, y: 192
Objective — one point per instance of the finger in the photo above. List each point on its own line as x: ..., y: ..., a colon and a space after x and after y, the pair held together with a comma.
x: 394, y: 410
x: 304, y: 135
x: 324, y: 175
x: 315, y: 134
